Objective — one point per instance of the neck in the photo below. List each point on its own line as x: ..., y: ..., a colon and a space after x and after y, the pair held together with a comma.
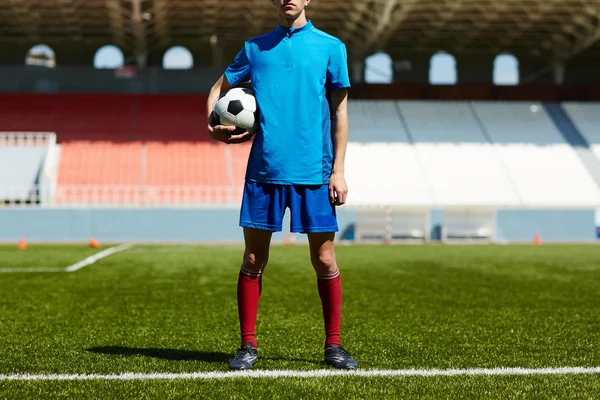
x: 297, y: 21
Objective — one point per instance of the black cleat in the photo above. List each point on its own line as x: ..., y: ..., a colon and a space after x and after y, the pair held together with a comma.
x: 245, y: 357
x: 338, y: 357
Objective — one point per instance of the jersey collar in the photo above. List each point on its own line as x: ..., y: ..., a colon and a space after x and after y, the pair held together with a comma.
x: 295, y: 31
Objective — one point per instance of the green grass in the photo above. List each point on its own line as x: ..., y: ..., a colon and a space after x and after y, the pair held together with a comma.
x: 173, y: 309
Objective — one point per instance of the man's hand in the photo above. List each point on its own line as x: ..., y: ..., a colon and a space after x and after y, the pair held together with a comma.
x: 337, y: 189
x: 222, y: 133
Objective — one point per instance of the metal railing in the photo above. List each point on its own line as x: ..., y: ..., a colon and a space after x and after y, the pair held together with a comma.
x: 27, y: 139
x: 120, y: 196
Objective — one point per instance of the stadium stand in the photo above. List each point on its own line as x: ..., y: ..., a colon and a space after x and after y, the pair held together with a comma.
x: 385, y: 174
x: 19, y: 169
x: 100, y: 163
x: 130, y: 149
x: 372, y: 121
x: 156, y: 171
x: 458, y: 161
x: 114, y: 117
x: 586, y: 117
x: 23, y: 159
x: 542, y: 165
x: 381, y: 166
x: 183, y: 163
x: 238, y: 157
x: 170, y: 117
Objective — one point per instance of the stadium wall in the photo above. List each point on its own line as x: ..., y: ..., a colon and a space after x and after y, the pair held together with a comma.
x: 220, y: 225
x: 551, y: 225
x: 216, y: 225
x: 67, y: 80
x: 409, y: 84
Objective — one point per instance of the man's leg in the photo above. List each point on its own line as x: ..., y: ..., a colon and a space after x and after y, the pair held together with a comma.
x: 255, y: 260
x: 261, y: 214
x: 322, y: 254
x: 256, y: 255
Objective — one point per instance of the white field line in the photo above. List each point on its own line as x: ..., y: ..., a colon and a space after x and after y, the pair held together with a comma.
x: 305, y: 374
x: 98, y: 256
x: 32, y: 270
x: 78, y: 265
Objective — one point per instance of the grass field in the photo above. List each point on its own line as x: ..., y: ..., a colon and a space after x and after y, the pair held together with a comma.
x: 161, y: 309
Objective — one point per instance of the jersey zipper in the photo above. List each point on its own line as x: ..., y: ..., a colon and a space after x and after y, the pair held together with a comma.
x: 289, y: 51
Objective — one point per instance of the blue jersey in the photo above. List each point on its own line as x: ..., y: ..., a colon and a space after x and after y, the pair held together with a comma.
x: 292, y: 72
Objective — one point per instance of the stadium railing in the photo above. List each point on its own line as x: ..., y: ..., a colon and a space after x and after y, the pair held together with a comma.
x: 27, y: 139
x: 122, y: 196
x: 30, y: 185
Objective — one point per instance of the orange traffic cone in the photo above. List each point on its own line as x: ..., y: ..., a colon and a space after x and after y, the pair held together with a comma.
x: 537, y: 240
x: 94, y: 243
x: 22, y: 244
x: 289, y: 239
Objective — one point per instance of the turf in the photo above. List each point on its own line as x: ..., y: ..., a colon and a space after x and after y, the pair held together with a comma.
x: 173, y: 309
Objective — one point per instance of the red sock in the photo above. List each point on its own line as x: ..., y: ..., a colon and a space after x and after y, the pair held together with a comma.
x: 248, y: 293
x: 330, y: 291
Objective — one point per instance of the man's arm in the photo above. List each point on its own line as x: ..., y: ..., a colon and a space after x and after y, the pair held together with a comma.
x: 222, y: 133
x: 337, y: 183
x: 220, y: 87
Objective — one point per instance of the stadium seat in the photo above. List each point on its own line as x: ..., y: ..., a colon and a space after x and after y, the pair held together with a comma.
x: 542, y: 166
x: 94, y: 117
x: 183, y: 163
x: 460, y: 165
x: 406, y: 153
x: 586, y: 117
x: 381, y: 165
x: 170, y: 117
x: 100, y: 163
x: 19, y: 169
x: 116, y: 117
x: 374, y: 121
x: 238, y: 156
x: 385, y: 174
x: 28, y: 112
x: 107, y: 172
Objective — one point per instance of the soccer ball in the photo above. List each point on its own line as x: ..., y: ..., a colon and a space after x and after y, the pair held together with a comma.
x: 237, y: 107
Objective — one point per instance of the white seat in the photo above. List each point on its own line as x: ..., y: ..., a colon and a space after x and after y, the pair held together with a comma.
x: 374, y: 121
x: 586, y: 117
x: 385, y: 174
x: 543, y: 167
x: 19, y: 169
x: 459, y: 163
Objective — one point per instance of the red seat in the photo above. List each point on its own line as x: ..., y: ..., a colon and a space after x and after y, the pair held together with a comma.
x: 100, y: 163
x: 186, y: 164
x: 131, y: 148
x: 117, y: 117
x: 155, y: 172
x: 170, y: 117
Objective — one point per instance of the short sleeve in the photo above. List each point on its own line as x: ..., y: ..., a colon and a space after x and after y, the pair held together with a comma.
x: 337, y: 69
x: 239, y: 70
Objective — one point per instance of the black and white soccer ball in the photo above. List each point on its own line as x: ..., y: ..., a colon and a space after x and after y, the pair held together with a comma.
x: 237, y: 107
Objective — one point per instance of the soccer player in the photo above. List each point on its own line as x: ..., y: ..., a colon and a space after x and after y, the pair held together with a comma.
x: 299, y: 75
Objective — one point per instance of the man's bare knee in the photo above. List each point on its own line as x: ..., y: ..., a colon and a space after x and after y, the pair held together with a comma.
x: 325, y: 263
x: 255, y: 262
x: 256, y: 254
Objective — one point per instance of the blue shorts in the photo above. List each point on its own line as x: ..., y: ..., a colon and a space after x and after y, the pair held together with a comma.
x: 264, y: 204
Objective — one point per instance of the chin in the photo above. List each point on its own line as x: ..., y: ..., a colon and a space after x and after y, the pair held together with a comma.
x: 291, y: 13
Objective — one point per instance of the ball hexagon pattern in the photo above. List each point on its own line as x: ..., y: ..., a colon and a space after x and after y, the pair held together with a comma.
x: 237, y: 107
